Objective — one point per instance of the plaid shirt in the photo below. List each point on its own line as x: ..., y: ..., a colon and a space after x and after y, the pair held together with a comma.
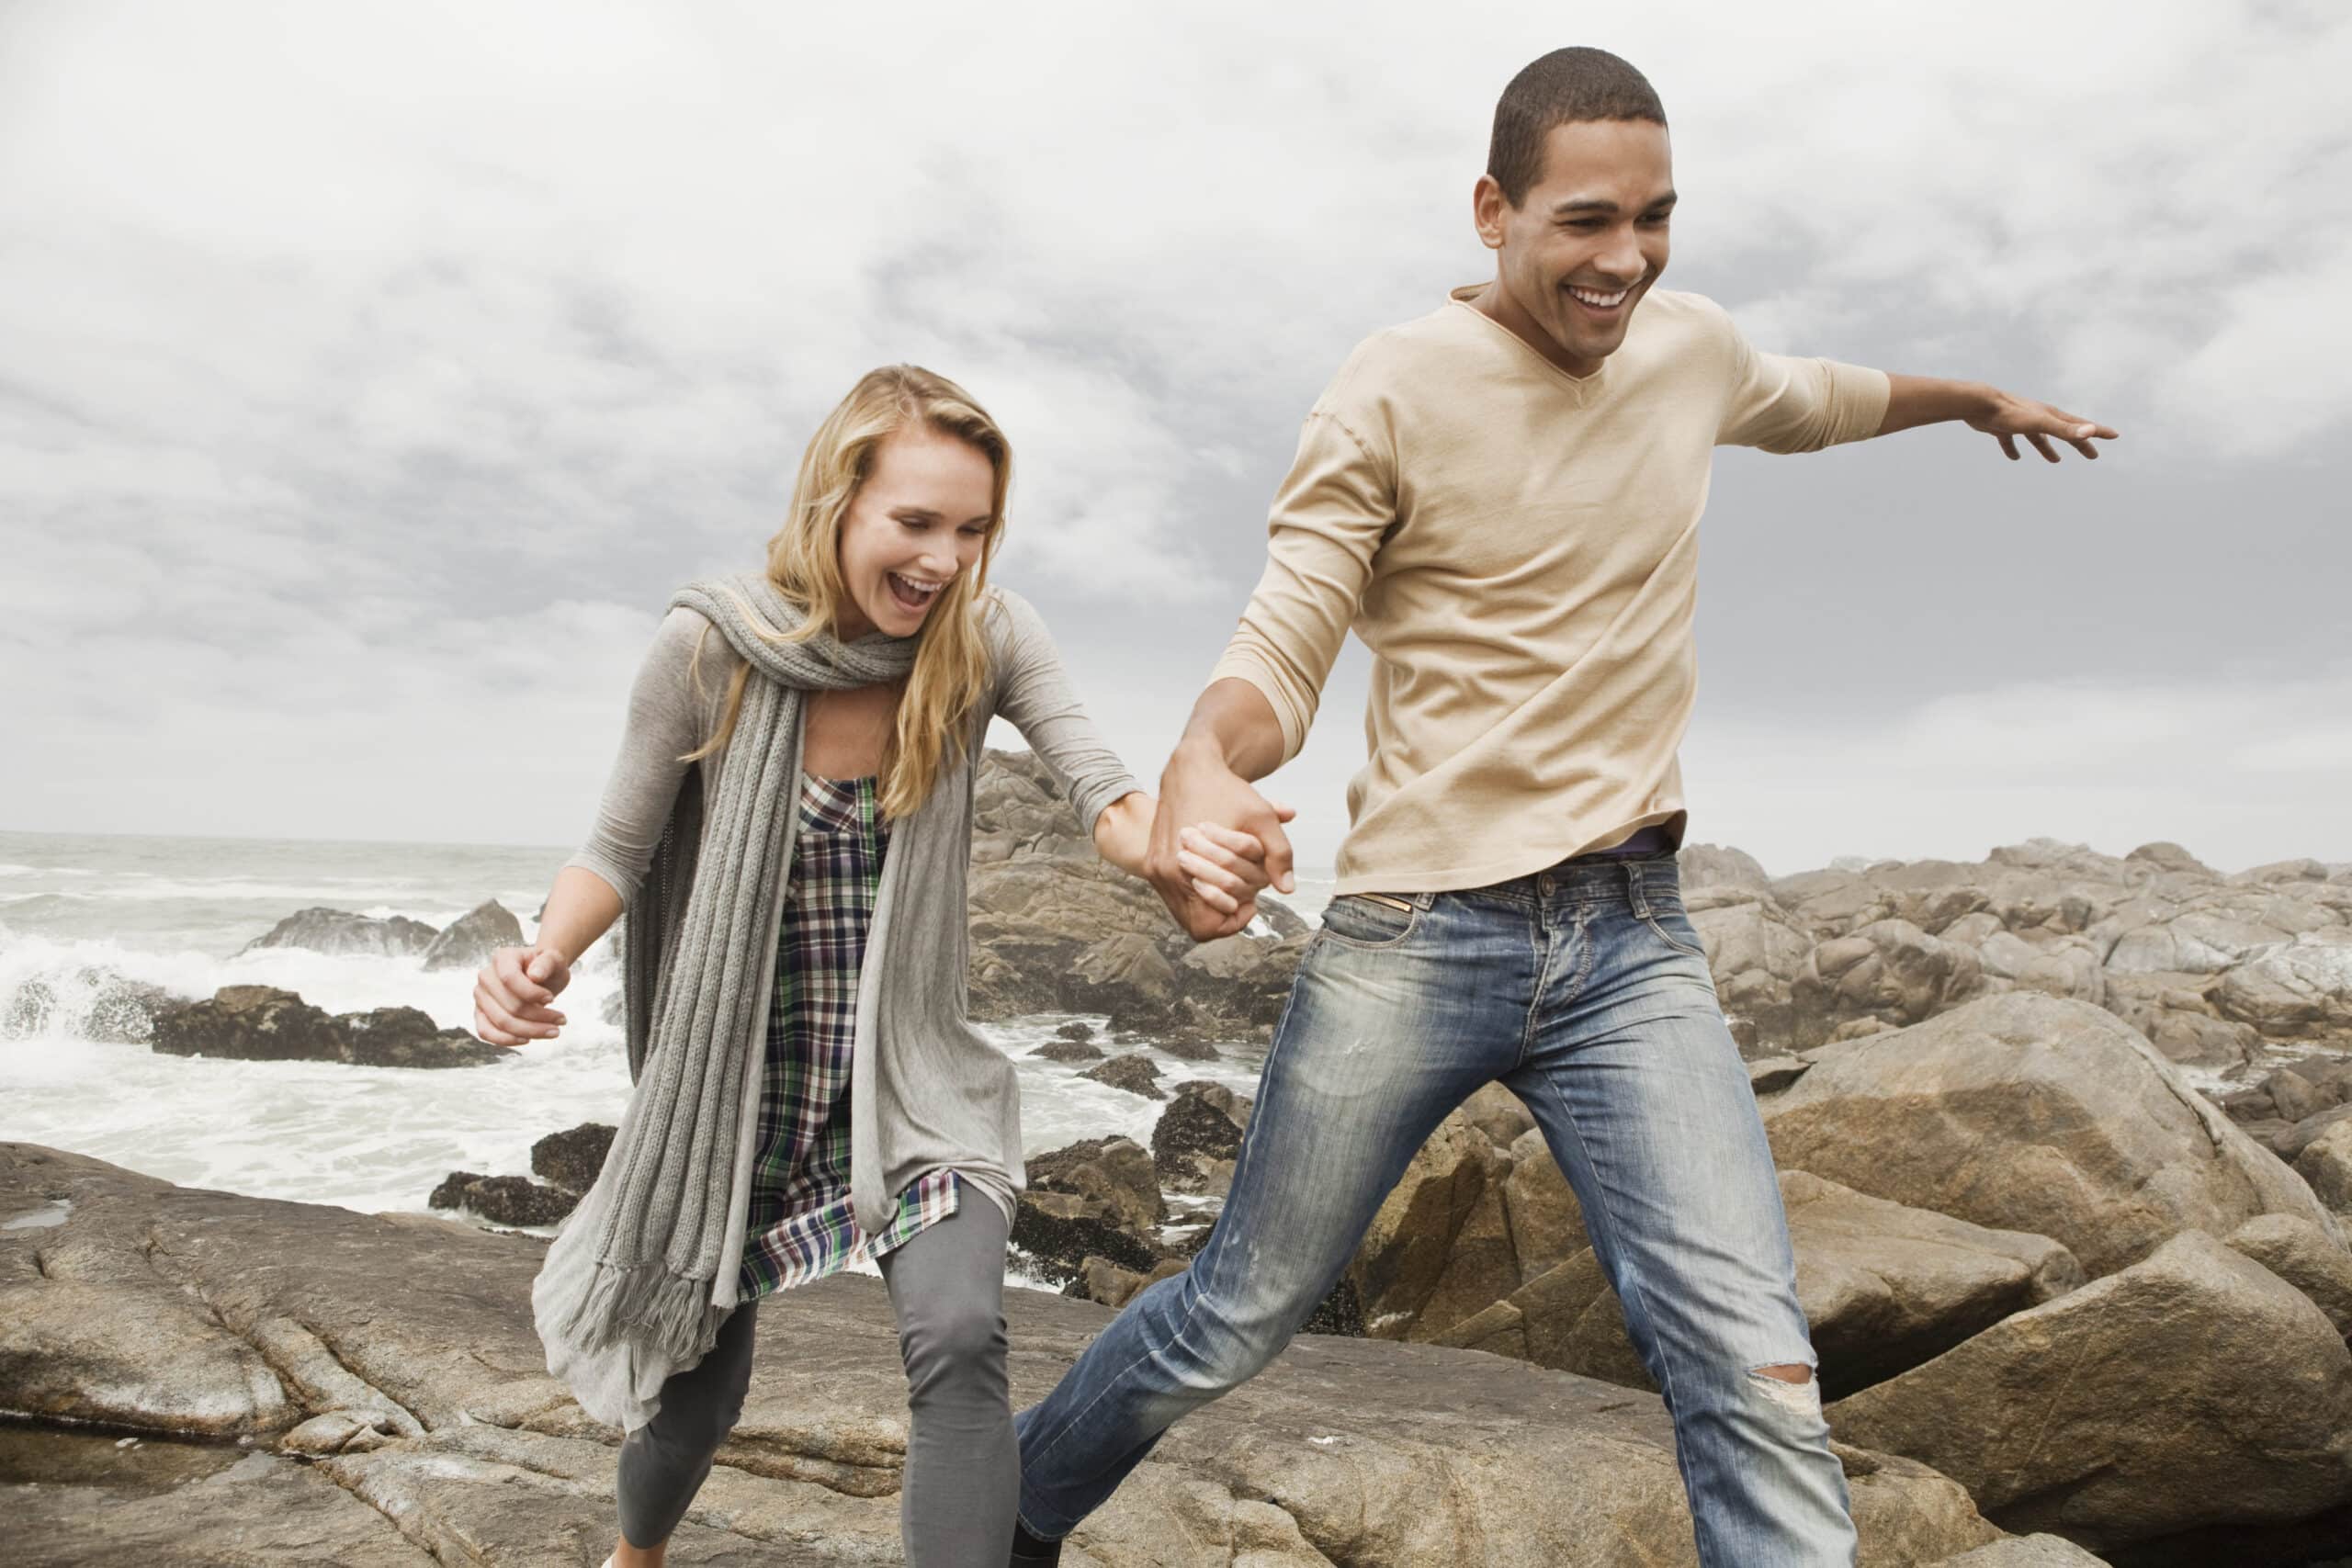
x: 801, y: 1227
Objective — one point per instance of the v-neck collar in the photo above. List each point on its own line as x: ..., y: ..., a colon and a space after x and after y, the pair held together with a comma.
x: 1583, y: 390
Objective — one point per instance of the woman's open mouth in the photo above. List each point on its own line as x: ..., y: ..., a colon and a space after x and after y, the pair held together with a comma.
x: 913, y: 595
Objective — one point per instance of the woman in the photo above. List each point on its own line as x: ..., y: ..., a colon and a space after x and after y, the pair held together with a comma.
x: 788, y: 826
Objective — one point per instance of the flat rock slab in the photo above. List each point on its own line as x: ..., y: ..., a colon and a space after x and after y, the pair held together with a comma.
x: 418, y: 1331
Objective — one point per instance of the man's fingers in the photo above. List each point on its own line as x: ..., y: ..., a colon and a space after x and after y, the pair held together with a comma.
x: 2041, y: 445
x: 2009, y: 444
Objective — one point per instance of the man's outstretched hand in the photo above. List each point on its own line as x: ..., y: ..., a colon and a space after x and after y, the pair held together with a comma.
x: 2011, y: 418
x: 1215, y: 844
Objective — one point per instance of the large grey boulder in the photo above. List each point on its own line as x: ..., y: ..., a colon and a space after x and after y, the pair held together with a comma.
x: 2191, y: 1390
x: 1439, y: 1247
x: 1345, y: 1450
x: 1884, y: 1287
x: 2024, y: 1112
x: 467, y: 941
x: 2298, y: 1252
x: 2326, y: 1163
x: 338, y: 930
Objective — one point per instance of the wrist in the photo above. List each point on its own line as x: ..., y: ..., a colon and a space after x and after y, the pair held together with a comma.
x: 1198, y: 753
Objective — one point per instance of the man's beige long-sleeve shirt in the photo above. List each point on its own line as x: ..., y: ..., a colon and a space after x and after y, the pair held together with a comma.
x: 1519, y: 549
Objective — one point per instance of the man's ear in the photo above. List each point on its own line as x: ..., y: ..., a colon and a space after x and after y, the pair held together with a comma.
x: 1488, y: 212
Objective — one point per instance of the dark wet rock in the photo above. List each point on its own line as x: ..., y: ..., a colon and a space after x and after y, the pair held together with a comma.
x: 1074, y: 1030
x: 338, y: 930
x: 1060, y: 1230
x: 1069, y: 1050
x: 572, y: 1157
x: 1136, y: 1073
x: 469, y: 940
x: 403, y: 1037
x: 1188, y: 1047
x: 253, y: 1023
x: 1116, y: 1172
x: 1199, y: 1131
x: 263, y: 1024
x: 504, y: 1199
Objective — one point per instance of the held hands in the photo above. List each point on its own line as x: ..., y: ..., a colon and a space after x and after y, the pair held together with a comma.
x: 2009, y: 417
x: 513, y: 994
x: 1216, y: 844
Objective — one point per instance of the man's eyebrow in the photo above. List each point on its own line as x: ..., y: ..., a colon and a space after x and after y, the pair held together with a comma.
x: 1602, y: 205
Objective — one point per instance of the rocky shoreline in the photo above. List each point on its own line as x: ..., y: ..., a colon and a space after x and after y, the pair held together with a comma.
x: 2065, y: 1141
x: 369, y: 1392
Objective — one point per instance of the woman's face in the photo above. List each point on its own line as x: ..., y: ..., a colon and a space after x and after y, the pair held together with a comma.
x: 919, y: 520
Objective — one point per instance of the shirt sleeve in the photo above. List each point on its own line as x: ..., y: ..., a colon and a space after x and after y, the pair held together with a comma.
x: 1034, y: 692
x: 1334, y: 508
x: 668, y: 709
x: 1785, y: 404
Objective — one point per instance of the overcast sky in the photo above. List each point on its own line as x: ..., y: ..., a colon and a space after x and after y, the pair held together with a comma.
x: 370, y: 375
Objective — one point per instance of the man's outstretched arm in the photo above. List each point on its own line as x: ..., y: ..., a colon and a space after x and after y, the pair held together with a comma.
x: 1930, y: 399
x: 1232, y: 739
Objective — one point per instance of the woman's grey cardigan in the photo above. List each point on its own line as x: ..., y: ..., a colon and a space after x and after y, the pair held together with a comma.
x: 953, y: 1101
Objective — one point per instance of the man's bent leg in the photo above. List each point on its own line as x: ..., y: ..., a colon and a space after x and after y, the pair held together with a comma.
x: 1380, y: 1040
x: 1640, y: 1091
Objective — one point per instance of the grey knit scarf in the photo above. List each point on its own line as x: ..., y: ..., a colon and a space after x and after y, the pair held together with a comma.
x: 627, y: 1288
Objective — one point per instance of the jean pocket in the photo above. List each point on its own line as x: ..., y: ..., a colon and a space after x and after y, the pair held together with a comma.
x: 1370, y: 920
x: 1674, y: 929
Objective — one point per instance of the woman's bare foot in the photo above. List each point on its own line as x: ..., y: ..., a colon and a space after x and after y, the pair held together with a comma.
x: 628, y: 1556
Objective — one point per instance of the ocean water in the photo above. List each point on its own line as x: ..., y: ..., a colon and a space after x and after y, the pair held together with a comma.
x: 178, y: 912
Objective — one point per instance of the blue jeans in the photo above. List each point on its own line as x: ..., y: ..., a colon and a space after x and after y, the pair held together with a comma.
x: 1585, y: 990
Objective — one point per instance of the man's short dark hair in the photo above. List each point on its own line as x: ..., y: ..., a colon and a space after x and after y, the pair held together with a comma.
x: 1564, y: 86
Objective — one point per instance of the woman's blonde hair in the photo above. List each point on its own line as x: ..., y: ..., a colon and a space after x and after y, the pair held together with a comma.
x: 804, y: 562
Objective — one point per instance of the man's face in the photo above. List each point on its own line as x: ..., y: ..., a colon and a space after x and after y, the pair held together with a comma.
x: 1578, y: 253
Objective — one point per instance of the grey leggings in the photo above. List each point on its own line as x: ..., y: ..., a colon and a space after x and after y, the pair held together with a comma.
x: 962, y: 1473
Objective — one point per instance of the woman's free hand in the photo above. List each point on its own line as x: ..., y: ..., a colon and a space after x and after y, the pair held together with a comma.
x: 514, y: 994
x: 1227, y: 867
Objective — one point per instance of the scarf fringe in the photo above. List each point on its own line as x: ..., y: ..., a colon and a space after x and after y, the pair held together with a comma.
x: 645, y: 1304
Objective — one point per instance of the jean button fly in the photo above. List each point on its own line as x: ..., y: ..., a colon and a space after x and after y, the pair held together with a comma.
x: 1543, y: 882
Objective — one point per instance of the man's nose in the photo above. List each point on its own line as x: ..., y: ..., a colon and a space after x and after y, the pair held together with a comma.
x: 1622, y: 259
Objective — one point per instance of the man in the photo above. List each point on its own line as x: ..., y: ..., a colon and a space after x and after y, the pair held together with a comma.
x: 1501, y: 499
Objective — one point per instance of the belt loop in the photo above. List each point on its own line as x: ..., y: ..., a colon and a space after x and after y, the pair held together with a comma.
x: 1634, y: 889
